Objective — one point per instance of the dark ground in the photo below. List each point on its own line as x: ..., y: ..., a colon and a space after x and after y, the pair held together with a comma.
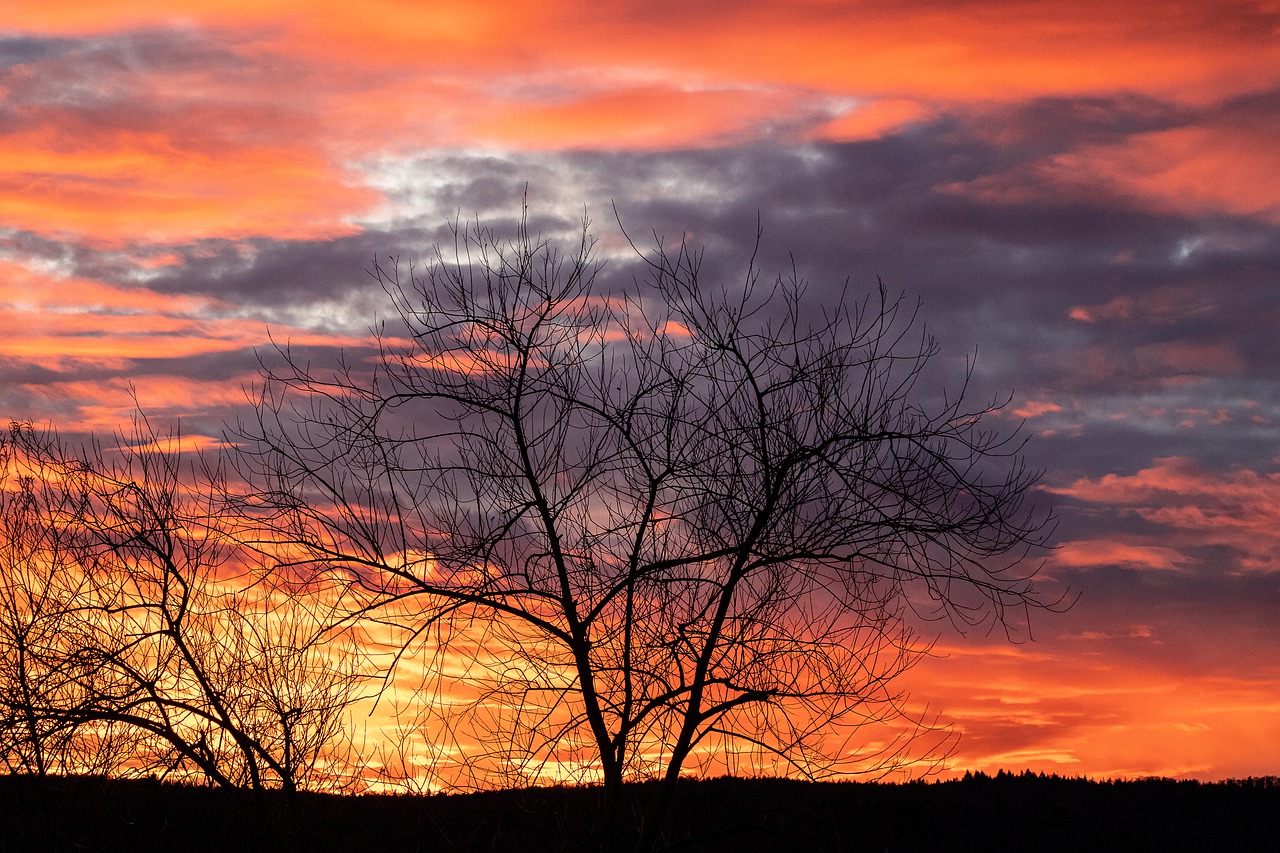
x: 982, y: 813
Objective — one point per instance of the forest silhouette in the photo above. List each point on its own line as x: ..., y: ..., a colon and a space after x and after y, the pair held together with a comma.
x: 1005, y: 812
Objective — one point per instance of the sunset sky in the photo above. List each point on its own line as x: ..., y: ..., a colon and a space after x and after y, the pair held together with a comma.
x: 1086, y: 194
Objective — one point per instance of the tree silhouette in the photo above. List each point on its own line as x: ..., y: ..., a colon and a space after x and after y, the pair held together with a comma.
x: 671, y: 525
x: 42, y: 593
x: 137, y: 637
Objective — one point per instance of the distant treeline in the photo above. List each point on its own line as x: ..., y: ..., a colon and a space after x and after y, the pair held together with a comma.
x: 1005, y: 775
x: 980, y: 812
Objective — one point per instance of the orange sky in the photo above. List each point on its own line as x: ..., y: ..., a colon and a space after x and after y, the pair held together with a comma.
x: 154, y: 165
x: 257, y: 124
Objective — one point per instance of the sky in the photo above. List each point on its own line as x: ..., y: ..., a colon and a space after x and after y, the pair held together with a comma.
x: 1085, y: 197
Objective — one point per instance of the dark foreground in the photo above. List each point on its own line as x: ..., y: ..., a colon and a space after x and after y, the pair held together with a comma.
x: 993, y: 814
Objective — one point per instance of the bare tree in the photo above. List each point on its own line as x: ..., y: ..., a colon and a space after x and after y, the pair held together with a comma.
x: 139, y: 630
x: 43, y: 593
x: 666, y: 526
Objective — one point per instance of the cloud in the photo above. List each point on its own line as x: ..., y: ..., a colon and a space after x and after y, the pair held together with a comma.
x: 71, y: 347
x: 1083, y: 306
x: 1035, y: 408
x: 1223, y: 162
x: 1079, y: 710
x: 650, y: 117
x: 162, y: 137
x: 977, y: 49
x: 235, y: 122
x: 102, y: 407
x: 1164, y: 306
x: 1162, y: 156
x: 48, y: 319
x: 871, y: 119
x: 1092, y: 553
x: 1198, y: 507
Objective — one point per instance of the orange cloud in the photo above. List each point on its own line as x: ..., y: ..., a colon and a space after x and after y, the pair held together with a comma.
x: 1231, y: 167
x: 1034, y: 409
x: 1216, y: 164
x: 69, y: 325
x: 104, y: 406
x: 1089, y: 553
x: 871, y: 120
x: 982, y: 50
x: 977, y: 50
x: 123, y: 186
x: 52, y: 322
x: 179, y: 444
x: 1238, y: 508
x: 649, y: 117
x: 1062, y: 708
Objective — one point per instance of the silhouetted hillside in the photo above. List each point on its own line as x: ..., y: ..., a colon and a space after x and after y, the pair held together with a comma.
x: 1006, y: 812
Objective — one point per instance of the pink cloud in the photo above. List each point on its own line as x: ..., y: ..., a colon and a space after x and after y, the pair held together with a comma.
x: 1229, y: 166
x: 1089, y: 553
x: 1159, y: 306
x: 1187, y: 358
x: 1215, y: 163
x: 871, y: 120
x: 67, y: 325
x: 1239, y: 508
x: 1034, y: 409
x: 1120, y: 308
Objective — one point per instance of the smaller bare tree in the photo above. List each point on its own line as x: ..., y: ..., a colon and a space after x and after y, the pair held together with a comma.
x: 43, y: 593
x: 159, y: 627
